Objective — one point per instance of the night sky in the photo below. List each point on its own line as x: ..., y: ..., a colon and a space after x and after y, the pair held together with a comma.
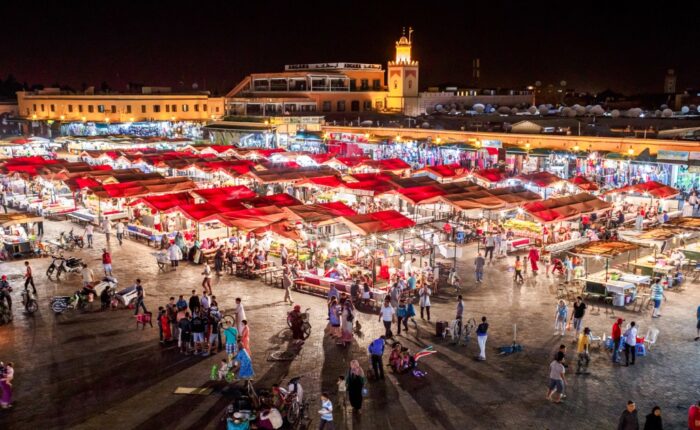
x: 591, y: 45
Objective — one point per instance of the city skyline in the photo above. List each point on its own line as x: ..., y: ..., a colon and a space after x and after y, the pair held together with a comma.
x: 217, y: 46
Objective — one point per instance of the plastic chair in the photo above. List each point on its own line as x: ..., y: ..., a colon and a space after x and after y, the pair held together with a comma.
x: 651, y: 336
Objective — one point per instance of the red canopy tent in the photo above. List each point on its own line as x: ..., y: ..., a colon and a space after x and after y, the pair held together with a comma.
x: 387, y: 165
x: 445, y: 171
x: 564, y: 208
x: 323, y: 181
x: 250, y: 219
x: 165, y: 202
x: 376, y: 222
x: 540, y: 179
x: 651, y: 188
x: 319, y: 214
x: 279, y: 200
x: 416, y: 195
x: 493, y: 176
x: 583, y: 183
x: 225, y: 193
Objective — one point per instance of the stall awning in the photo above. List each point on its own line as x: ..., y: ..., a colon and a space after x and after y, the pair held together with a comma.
x: 143, y: 188
x: 387, y: 165
x: 491, y: 175
x: 540, y: 179
x: 564, y: 208
x: 323, y: 181
x: 651, y: 188
x: 225, y: 193
x: 281, y: 228
x: 376, y: 222
x: 684, y: 223
x: 583, y: 183
x: 445, y: 171
x: 279, y: 200
x: 416, y: 195
x: 165, y: 202
x: 7, y: 220
x: 604, y: 248
x: 250, y: 219
x: 515, y: 195
x: 319, y: 214
x: 281, y: 175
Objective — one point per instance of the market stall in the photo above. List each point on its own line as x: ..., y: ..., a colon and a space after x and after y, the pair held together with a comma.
x: 19, y: 234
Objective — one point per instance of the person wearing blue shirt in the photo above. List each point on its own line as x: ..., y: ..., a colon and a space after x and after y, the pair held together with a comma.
x: 412, y: 282
x: 376, y: 351
x: 326, y: 413
x: 657, y: 294
x: 698, y: 325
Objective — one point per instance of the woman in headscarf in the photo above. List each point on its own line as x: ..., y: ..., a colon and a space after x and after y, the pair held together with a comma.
x: 245, y: 364
x: 355, y: 383
x: 334, y: 315
x: 347, y: 320
x: 534, y: 257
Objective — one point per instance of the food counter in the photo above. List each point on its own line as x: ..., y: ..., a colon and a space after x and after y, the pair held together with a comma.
x: 650, y: 265
x: 621, y: 286
x: 342, y: 286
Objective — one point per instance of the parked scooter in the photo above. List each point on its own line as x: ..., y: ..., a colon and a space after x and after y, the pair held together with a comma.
x: 77, y: 240
x: 29, y: 301
x: 78, y: 300
x: 69, y: 265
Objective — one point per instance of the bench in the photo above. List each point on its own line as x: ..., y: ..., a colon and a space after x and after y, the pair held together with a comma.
x: 321, y: 290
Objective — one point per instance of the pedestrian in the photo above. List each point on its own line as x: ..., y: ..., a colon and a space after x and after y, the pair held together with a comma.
x: 616, y: 335
x: 628, y: 419
x: 479, y: 263
x: 5, y: 290
x: 171, y: 311
x: 119, y: 228
x: 89, y: 231
x: 630, y: 343
x: 245, y: 369
x: 347, y: 319
x: 394, y: 295
x: 697, y: 325
x: 194, y: 303
x: 557, y: 380
x: 460, y: 309
x: 534, y: 256
x: 342, y: 390
x: 424, y: 302
x: 198, y: 331
x: 107, y: 228
x: 355, y: 383
x: 7, y: 374
x: 518, y: 277
x: 402, y: 316
x: 481, y: 336
x: 240, y: 314
x: 386, y: 316
x: 583, y: 347
x: 577, y: 316
x: 206, y: 282
x: 244, y: 335
x: 88, y: 276
x: 376, y: 353
x: 231, y: 341
x: 175, y: 255
x: 28, y: 277
x: 490, y: 245
x: 694, y: 417
x: 284, y: 254
x: 560, y: 316
x: 107, y: 262
x: 287, y: 283
x: 654, y: 421
x: 184, y: 326
x: 181, y: 303
x: 326, y: 412
x: 657, y: 294
x: 139, y: 297
x: 205, y: 301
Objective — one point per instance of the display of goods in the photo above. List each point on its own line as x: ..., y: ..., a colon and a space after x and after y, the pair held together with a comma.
x: 515, y: 224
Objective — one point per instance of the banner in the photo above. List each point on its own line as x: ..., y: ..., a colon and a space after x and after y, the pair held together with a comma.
x: 672, y: 155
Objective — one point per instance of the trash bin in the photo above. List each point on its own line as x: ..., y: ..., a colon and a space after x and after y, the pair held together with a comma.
x: 619, y: 299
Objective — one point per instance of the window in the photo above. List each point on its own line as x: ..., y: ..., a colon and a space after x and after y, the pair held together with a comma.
x: 43, y: 108
x: 185, y: 108
x: 114, y: 109
x: 341, y: 106
x: 364, y: 84
x: 173, y: 108
x: 410, y: 84
x: 167, y: 108
x: 91, y: 108
x: 355, y: 106
x: 376, y: 85
x: 53, y: 108
x: 100, y: 108
x: 217, y: 109
x: 396, y: 84
x: 128, y: 108
x: 367, y: 105
x: 156, y: 108
x: 80, y: 108
x: 70, y: 108
x: 196, y: 108
x: 353, y: 84
x: 326, y: 106
x: 35, y: 108
x: 204, y: 107
x: 143, y: 108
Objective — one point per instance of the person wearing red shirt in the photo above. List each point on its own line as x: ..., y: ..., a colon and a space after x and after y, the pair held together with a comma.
x: 694, y: 417
x: 107, y: 262
x: 616, y: 336
x: 28, y: 278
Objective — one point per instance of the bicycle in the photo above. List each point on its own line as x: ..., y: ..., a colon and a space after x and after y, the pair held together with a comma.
x: 305, y: 325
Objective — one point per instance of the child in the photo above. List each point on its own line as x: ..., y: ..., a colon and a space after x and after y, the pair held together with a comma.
x: 326, y: 413
x: 164, y: 325
x: 342, y: 389
x: 518, y: 270
x: 223, y: 369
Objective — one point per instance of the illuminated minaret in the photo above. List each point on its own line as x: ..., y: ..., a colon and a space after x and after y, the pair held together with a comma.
x: 403, y: 77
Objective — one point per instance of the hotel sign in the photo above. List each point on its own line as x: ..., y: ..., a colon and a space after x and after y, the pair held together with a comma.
x: 332, y: 66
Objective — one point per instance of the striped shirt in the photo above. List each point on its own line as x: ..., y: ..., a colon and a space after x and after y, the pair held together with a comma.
x: 328, y: 406
x: 657, y: 292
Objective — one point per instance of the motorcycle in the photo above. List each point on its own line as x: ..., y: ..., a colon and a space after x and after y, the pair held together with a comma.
x: 54, y: 265
x: 29, y: 301
x: 103, y: 289
x: 69, y: 265
x: 305, y: 325
x: 77, y: 240
x: 78, y: 300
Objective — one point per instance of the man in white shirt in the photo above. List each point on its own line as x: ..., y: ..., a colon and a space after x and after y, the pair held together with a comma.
x: 87, y: 274
x: 89, y: 230
x: 107, y: 228
x: 630, y: 343
x: 386, y: 315
x: 120, y: 232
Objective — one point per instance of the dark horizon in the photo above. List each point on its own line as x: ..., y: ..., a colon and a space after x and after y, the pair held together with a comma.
x: 624, y: 47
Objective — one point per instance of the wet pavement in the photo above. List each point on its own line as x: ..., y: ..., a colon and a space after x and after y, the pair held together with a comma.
x: 96, y: 370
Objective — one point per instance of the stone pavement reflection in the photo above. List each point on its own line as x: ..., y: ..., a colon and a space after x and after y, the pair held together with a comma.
x: 96, y: 370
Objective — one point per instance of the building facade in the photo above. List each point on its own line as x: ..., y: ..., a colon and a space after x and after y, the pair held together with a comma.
x: 56, y: 105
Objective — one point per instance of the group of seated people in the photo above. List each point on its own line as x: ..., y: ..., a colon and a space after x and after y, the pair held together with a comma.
x: 400, y: 359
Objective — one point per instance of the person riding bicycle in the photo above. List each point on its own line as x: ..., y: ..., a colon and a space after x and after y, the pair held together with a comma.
x: 297, y: 321
x: 294, y: 387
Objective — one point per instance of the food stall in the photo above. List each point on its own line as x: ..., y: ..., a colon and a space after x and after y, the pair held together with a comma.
x: 619, y: 286
x: 19, y: 233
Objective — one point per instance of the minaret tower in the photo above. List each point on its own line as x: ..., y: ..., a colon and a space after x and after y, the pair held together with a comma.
x: 403, y: 77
